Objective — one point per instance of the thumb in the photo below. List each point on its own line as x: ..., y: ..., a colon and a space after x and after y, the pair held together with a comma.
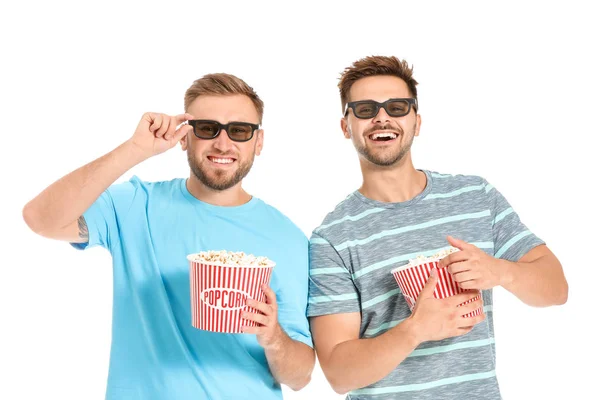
x: 429, y: 287
x: 181, y: 132
x: 459, y: 244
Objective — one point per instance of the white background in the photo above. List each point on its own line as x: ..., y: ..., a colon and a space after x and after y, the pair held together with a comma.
x: 508, y: 92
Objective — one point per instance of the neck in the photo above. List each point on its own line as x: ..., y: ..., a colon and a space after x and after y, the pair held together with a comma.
x: 234, y: 196
x: 394, y: 184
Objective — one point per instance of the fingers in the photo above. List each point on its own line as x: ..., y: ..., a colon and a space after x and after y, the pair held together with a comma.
x: 259, y: 318
x: 472, y: 321
x: 429, y: 287
x: 470, y: 307
x: 467, y: 275
x: 463, y: 330
x: 271, y: 298
x: 264, y: 308
x: 175, y: 125
x: 172, y: 127
x: 253, y: 330
x: 150, y: 117
x: 155, y: 121
x: 159, y: 125
x: 470, y: 285
x: 453, y: 258
x: 182, y: 131
x: 162, y: 125
x: 463, y: 297
x: 181, y: 118
x: 459, y: 244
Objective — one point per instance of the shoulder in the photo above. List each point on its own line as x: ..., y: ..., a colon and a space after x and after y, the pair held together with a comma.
x: 461, y: 188
x: 350, y: 206
x: 158, y: 187
x: 456, y: 181
x: 136, y: 190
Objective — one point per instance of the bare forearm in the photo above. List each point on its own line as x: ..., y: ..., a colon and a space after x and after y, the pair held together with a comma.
x: 68, y: 198
x: 361, y: 362
x: 291, y: 362
x: 539, y: 283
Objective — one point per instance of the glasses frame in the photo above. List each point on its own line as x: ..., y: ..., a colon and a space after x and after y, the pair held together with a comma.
x: 412, y: 102
x: 221, y: 126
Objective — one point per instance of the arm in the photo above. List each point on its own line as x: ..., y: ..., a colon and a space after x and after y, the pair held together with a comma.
x: 57, y: 212
x: 537, y: 278
x: 350, y: 362
x: 291, y: 362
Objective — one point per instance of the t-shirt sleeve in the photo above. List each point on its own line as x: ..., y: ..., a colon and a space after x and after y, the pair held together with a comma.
x: 101, y: 217
x: 292, y: 296
x: 512, y: 239
x: 331, y: 287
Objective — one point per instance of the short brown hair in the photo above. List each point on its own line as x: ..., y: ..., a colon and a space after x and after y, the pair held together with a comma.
x: 375, y: 66
x: 222, y: 84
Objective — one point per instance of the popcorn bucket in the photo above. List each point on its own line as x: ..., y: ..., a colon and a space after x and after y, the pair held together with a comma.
x: 412, y: 278
x: 219, y: 292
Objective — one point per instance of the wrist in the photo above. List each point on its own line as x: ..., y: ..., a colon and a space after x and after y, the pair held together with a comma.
x: 508, y: 270
x: 410, y: 331
x: 135, y: 153
x: 278, y: 340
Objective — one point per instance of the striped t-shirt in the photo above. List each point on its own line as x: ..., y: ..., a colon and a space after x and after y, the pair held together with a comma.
x: 362, y: 240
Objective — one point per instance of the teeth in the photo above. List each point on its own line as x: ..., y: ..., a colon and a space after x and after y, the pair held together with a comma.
x: 384, y: 134
x: 222, y: 160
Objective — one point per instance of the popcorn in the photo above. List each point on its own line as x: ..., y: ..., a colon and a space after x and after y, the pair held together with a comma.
x: 412, y: 278
x: 230, y: 258
x: 221, y: 282
x: 437, y: 256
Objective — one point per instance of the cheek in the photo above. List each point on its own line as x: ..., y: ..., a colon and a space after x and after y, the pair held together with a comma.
x: 247, y: 152
x: 199, y: 147
x: 356, y: 130
x: 407, y: 126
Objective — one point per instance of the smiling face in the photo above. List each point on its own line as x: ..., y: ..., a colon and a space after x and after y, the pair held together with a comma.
x: 381, y: 140
x: 221, y: 163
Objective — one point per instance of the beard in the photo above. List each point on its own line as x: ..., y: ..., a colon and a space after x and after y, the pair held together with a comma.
x: 390, y: 156
x: 218, y: 179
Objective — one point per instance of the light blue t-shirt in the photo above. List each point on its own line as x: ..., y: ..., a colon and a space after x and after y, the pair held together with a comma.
x: 156, y: 353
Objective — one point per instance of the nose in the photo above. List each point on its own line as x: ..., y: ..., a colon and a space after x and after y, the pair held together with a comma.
x: 381, y: 117
x: 222, y: 142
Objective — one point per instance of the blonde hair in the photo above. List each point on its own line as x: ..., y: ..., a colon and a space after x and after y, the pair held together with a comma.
x: 222, y: 84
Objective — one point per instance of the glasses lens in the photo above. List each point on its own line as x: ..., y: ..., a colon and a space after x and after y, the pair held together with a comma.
x: 206, y: 130
x: 367, y: 109
x: 398, y: 108
x: 240, y: 132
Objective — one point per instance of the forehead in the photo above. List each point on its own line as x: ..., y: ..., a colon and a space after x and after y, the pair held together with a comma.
x: 379, y: 88
x: 224, y: 109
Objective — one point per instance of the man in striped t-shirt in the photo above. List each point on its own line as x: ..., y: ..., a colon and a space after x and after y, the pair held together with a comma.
x: 368, y: 342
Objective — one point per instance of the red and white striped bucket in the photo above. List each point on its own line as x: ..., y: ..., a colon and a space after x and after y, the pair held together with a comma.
x: 412, y: 280
x: 219, y: 293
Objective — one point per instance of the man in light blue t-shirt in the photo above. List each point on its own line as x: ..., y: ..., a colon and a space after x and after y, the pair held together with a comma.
x: 149, y: 228
x: 369, y: 343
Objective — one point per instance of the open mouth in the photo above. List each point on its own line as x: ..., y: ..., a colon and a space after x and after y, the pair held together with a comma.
x: 383, y: 136
x: 221, y: 160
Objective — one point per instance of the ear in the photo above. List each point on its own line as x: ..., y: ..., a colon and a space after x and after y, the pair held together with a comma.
x: 184, y: 143
x: 345, y: 128
x: 260, y: 134
x: 418, y: 125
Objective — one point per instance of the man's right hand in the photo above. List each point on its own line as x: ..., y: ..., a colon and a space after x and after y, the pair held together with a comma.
x: 157, y: 133
x: 437, y: 319
x: 57, y: 212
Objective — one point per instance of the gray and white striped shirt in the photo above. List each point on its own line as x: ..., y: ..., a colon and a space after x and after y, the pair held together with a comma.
x: 362, y: 240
